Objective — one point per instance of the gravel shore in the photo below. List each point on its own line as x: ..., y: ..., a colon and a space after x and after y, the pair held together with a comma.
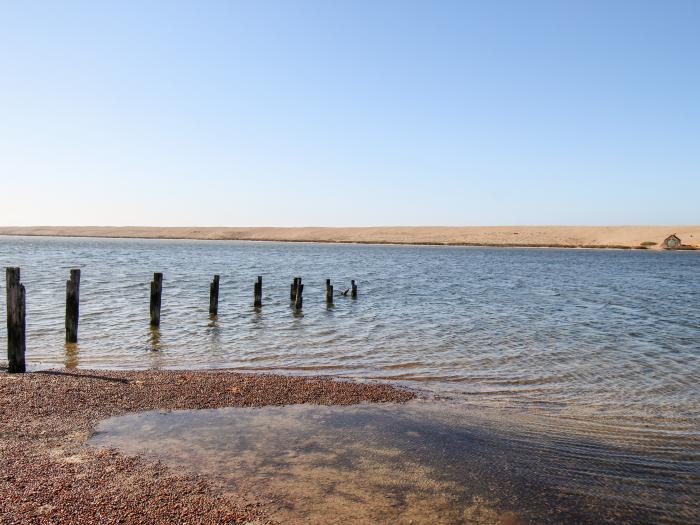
x: 48, y: 474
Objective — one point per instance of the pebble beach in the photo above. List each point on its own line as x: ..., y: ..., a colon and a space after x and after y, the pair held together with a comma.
x: 49, y: 474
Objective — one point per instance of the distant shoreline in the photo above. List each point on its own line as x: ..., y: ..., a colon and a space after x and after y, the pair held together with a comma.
x: 376, y: 243
x: 587, y: 237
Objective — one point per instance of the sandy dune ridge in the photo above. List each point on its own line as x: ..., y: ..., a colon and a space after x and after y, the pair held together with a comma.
x: 534, y: 236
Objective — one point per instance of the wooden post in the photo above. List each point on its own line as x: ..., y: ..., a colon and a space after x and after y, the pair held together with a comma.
x: 214, y: 296
x: 156, y: 293
x: 294, y: 287
x: 298, y: 299
x: 16, y: 312
x: 72, y: 306
x: 329, y: 292
x: 257, y: 293
x: 353, y: 289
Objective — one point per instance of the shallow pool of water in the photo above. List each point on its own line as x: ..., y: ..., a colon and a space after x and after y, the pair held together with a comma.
x: 423, y: 462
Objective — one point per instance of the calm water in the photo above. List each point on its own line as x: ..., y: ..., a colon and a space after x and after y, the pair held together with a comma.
x: 605, y: 343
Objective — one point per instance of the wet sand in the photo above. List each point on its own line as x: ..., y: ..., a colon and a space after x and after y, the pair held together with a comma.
x: 49, y: 474
x: 507, y: 236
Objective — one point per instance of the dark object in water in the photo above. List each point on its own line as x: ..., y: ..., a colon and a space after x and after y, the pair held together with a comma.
x: 329, y: 292
x: 72, y: 306
x: 16, y: 311
x: 257, y: 293
x: 156, y: 293
x: 298, y: 300
x: 293, y: 288
x: 214, y: 296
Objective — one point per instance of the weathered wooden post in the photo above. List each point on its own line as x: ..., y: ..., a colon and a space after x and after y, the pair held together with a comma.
x: 72, y: 306
x: 329, y: 292
x: 293, y: 289
x: 214, y: 296
x: 156, y: 293
x: 298, y: 299
x: 16, y: 312
x: 257, y: 293
x: 353, y: 289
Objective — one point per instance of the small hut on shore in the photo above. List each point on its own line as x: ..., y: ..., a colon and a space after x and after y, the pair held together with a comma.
x: 672, y: 242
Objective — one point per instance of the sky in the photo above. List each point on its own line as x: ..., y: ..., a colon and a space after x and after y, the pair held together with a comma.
x: 349, y: 113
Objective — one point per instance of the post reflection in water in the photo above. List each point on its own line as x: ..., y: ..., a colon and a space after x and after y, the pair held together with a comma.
x: 71, y: 355
x: 214, y: 332
x: 154, y: 338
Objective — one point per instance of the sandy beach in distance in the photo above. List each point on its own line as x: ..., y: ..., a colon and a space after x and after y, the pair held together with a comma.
x: 527, y: 236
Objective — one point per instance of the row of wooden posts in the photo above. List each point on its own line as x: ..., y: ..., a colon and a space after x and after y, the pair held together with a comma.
x: 16, y: 307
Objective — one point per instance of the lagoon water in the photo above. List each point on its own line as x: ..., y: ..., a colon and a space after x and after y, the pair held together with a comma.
x: 603, y: 343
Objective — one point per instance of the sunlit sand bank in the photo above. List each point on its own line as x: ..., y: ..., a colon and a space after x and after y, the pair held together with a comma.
x: 649, y: 237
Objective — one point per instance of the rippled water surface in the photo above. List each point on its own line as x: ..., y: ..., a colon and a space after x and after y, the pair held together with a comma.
x: 606, y: 342
x: 420, y: 463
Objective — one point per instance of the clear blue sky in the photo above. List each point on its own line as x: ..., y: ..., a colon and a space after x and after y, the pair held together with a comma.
x: 350, y: 113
